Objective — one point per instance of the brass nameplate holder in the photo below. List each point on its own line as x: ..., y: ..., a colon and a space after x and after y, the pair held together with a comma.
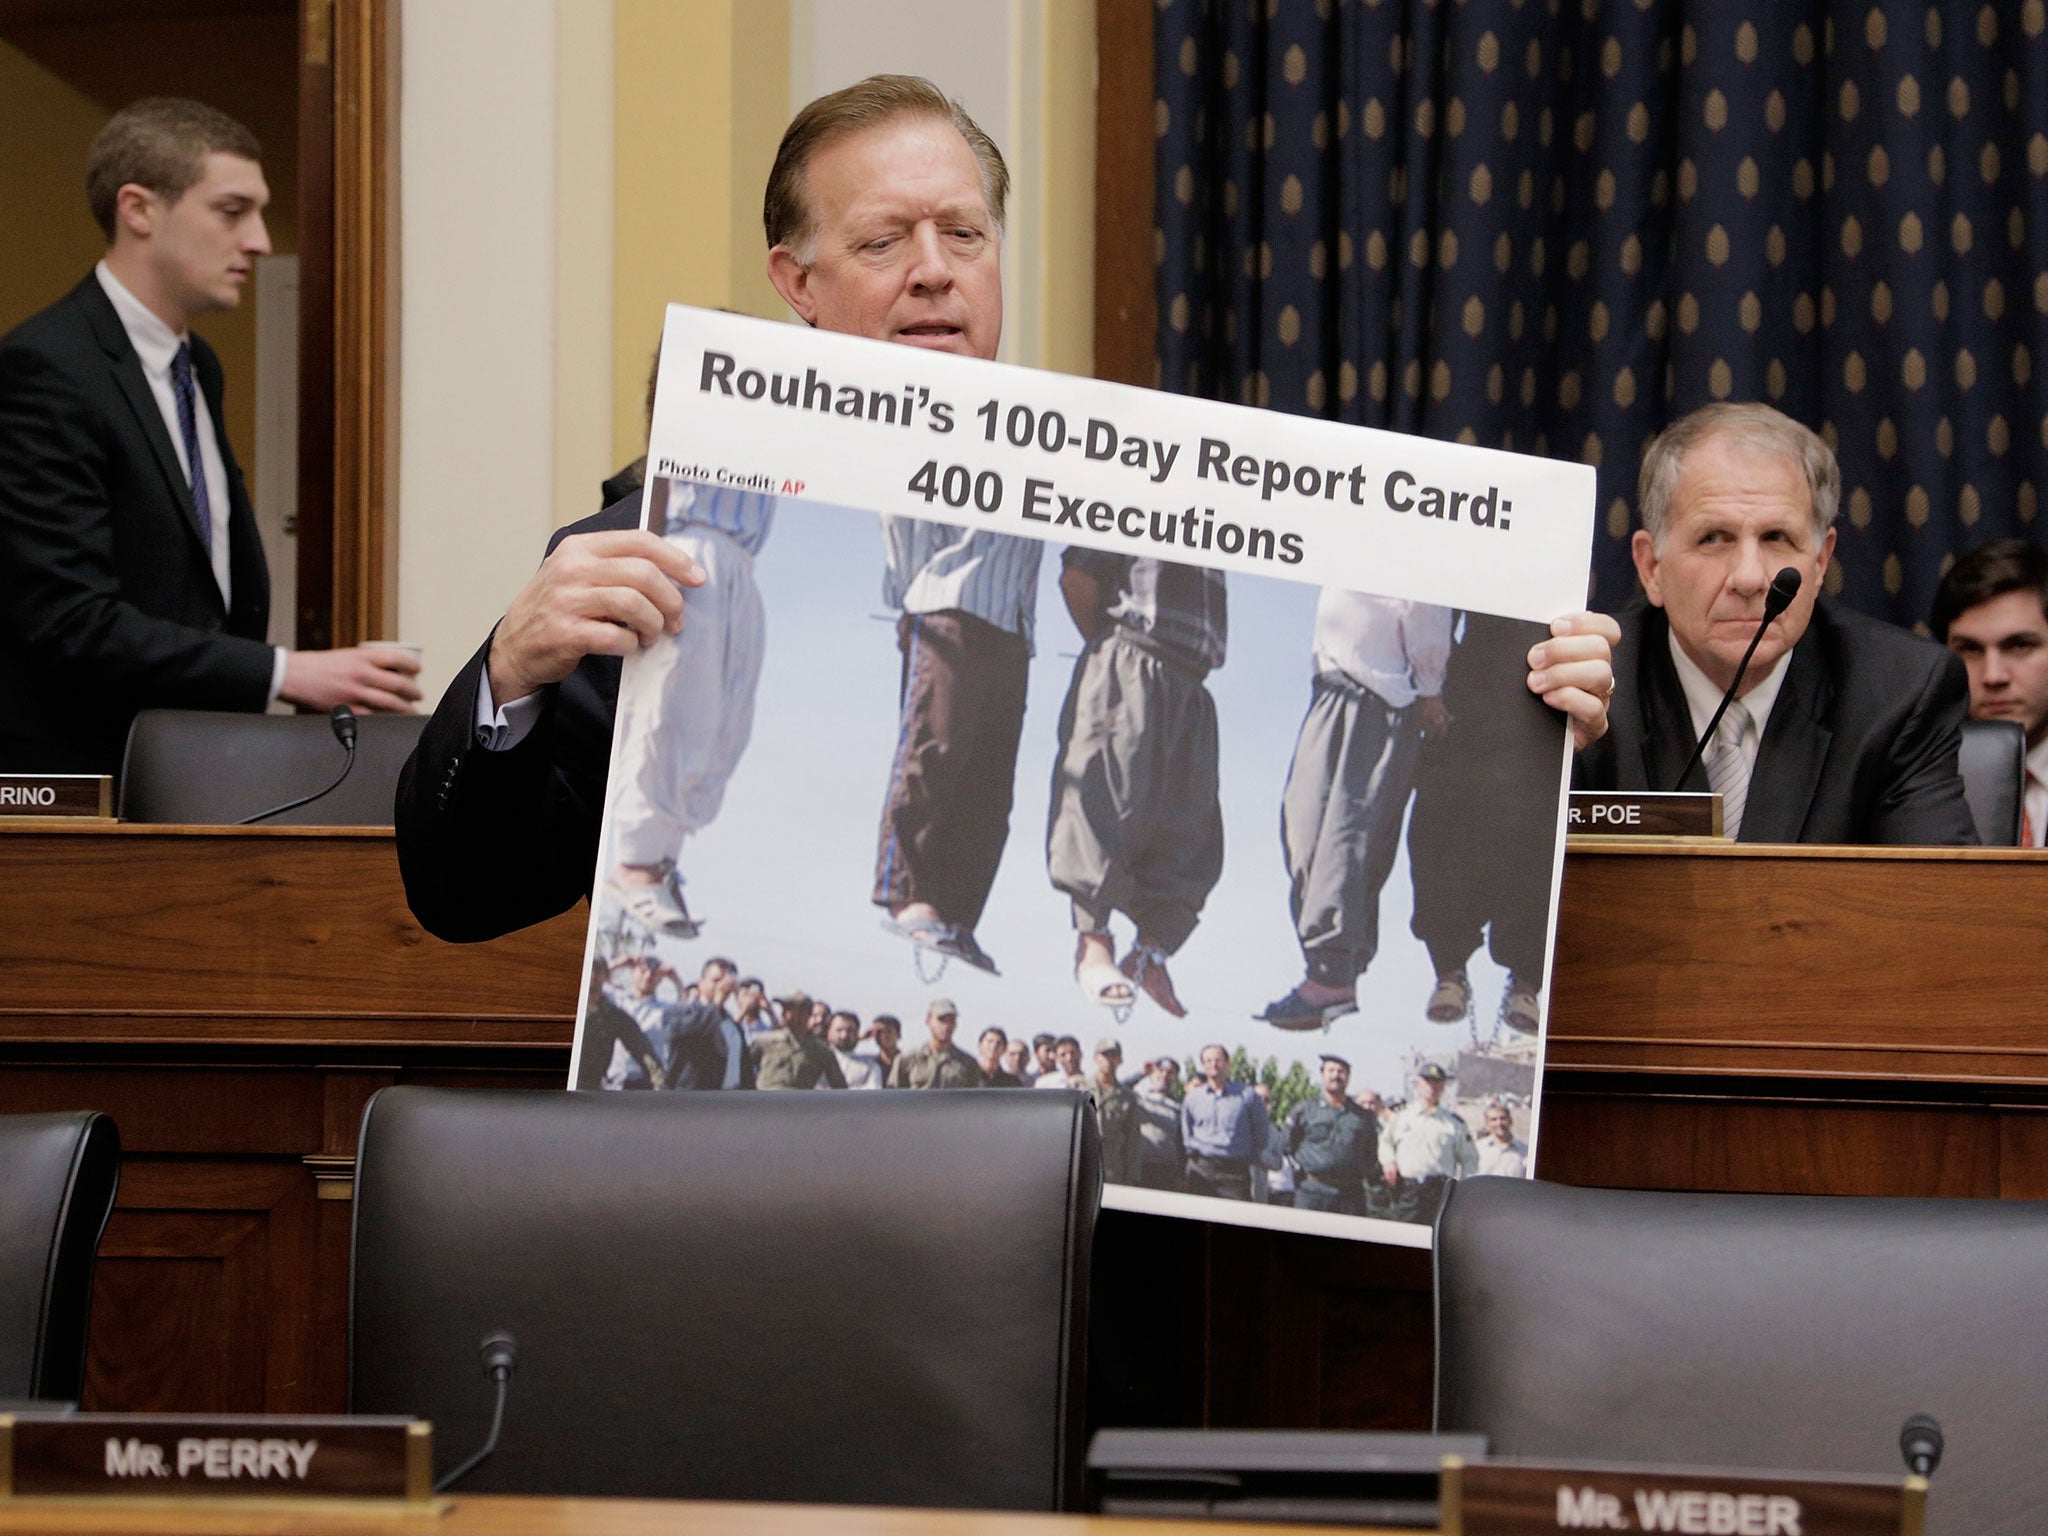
x: 180, y: 1457
x: 1643, y: 813
x: 57, y: 794
x: 1522, y: 1499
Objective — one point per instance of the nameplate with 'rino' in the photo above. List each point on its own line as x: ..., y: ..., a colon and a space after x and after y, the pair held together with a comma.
x: 56, y: 794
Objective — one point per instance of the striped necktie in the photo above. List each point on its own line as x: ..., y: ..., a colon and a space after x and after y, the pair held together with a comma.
x: 188, y: 427
x: 1728, y: 768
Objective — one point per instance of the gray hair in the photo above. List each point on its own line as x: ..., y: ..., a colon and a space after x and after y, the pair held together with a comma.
x: 1752, y: 426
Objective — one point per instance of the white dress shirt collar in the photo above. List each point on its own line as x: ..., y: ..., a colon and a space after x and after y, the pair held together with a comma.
x: 154, y: 342
x: 1703, y: 696
x: 2036, y: 792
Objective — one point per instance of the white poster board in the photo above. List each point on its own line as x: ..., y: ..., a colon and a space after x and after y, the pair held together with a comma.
x: 903, y: 550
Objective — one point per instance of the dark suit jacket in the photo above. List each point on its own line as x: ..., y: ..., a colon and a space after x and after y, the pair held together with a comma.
x: 493, y: 841
x: 1860, y: 747
x: 107, y: 599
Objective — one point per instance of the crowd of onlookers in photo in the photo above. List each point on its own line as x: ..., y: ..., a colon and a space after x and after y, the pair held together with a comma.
x: 1216, y: 1125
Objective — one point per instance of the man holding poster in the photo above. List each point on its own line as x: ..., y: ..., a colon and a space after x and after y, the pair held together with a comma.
x: 886, y: 224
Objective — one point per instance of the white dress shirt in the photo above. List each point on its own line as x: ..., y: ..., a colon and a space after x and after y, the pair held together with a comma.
x: 1397, y: 648
x: 1703, y: 697
x: 156, y: 344
x: 2036, y: 799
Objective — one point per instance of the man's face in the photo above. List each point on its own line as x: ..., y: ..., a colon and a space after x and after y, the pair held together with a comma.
x: 906, y: 248
x: 1336, y: 1078
x: 1013, y: 1057
x: 2004, y: 644
x: 1106, y: 1064
x: 715, y: 983
x: 1043, y: 1050
x: 1427, y: 1091
x: 990, y: 1049
x: 1215, y: 1064
x: 886, y: 1038
x: 1067, y: 1056
x: 942, y: 1026
x: 843, y: 1033
x: 1499, y: 1125
x: 750, y: 1000
x: 817, y: 1018
x: 1737, y: 518
x: 202, y: 248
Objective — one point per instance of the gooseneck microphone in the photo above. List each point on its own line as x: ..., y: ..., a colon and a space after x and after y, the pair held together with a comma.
x: 500, y: 1355
x: 1784, y: 587
x: 1920, y: 1444
x: 342, y: 721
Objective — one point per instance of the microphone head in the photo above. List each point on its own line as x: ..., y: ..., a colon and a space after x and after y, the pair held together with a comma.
x: 500, y: 1354
x: 1921, y: 1444
x: 1784, y: 587
x: 342, y: 721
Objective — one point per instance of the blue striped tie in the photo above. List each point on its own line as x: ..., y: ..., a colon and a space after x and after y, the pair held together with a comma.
x: 188, y: 428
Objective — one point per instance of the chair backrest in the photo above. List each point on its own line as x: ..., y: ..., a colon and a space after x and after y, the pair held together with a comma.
x: 58, y: 1174
x: 1994, y: 768
x: 203, y: 767
x: 1778, y: 1331
x: 824, y: 1297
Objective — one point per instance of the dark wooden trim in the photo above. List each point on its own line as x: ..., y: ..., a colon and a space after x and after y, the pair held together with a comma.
x: 348, y: 352
x: 365, y: 343
x: 1125, y: 307
x: 313, y: 624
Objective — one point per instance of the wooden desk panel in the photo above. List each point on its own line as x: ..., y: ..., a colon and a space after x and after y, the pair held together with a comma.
x: 1800, y: 1020
x: 1865, y: 1021
x: 499, y: 1515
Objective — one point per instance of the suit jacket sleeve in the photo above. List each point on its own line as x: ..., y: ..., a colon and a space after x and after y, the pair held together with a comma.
x: 493, y: 841
x: 61, y: 586
x: 489, y: 842
x: 1922, y: 802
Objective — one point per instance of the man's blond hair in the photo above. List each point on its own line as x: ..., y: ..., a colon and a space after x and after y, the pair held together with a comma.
x: 786, y: 212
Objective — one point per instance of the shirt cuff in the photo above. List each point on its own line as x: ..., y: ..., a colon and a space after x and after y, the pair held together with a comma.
x: 278, y: 657
x: 500, y: 730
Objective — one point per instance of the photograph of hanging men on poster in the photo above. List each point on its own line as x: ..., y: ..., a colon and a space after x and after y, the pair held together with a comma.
x: 1031, y: 731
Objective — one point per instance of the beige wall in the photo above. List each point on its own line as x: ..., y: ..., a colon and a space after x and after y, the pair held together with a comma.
x: 477, y: 354
x: 701, y: 99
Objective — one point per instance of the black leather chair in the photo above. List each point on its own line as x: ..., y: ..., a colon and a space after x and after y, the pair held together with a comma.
x: 1994, y: 768
x: 212, y: 768
x: 1773, y: 1331
x: 57, y: 1179
x: 825, y: 1297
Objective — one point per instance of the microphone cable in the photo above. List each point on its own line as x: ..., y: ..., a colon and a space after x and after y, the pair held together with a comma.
x: 342, y: 721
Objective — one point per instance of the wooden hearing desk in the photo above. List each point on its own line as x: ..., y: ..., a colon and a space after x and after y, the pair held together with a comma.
x: 1820, y: 1020
x: 498, y: 1515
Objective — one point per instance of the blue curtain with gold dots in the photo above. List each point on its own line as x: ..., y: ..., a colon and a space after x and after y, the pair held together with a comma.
x: 1555, y: 227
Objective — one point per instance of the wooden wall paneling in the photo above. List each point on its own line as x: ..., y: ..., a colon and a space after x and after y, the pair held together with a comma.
x: 1618, y: 1136
x: 1125, y: 307
x: 1317, y: 1332
x: 202, y: 1301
